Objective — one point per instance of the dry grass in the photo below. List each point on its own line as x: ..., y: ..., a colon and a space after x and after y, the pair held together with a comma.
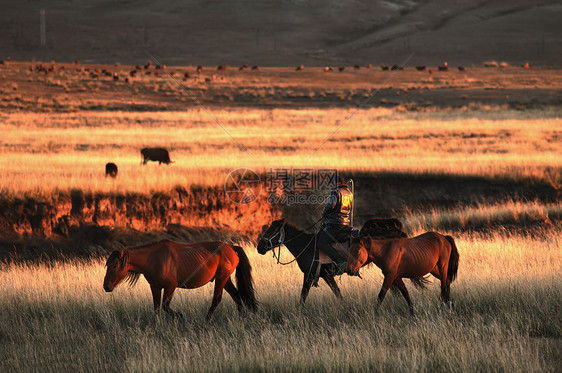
x: 507, y: 302
x: 42, y: 153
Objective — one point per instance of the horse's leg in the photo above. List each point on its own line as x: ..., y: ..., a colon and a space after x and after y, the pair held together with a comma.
x: 331, y: 281
x: 231, y: 289
x: 156, y: 297
x: 168, y: 294
x: 217, y: 295
x: 388, y: 280
x: 307, y: 283
x: 400, y: 283
x: 443, y: 267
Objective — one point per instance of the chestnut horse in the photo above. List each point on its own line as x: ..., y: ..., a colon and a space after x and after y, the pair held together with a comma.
x: 169, y: 265
x: 400, y: 258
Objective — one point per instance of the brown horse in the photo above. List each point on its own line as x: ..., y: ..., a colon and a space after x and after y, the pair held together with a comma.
x: 169, y: 265
x: 400, y: 258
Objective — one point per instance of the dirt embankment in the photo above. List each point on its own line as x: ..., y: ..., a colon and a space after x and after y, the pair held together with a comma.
x: 79, y: 224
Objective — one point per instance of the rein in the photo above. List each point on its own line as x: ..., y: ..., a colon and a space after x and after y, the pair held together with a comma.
x: 282, y: 241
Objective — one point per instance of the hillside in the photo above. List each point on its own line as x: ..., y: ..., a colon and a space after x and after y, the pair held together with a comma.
x: 285, y: 33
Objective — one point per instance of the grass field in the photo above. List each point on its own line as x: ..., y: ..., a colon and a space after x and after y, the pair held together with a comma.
x: 477, y: 155
x: 42, y: 153
x: 507, y: 302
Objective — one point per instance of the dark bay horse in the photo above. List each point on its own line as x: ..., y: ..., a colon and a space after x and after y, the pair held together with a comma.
x: 169, y: 265
x: 303, y: 245
x: 400, y: 258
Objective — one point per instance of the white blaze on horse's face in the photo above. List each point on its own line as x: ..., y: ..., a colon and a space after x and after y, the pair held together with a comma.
x: 273, y: 237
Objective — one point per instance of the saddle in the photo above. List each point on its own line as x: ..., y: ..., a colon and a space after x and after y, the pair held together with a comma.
x: 341, y: 247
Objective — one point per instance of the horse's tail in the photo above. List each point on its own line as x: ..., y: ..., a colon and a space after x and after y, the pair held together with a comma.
x: 244, y: 280
x: 420, y: 282
x: 453, y: 260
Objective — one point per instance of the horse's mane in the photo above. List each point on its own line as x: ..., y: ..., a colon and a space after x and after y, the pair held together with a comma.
x: 295, y: 228
x: 132, y: 278
x: 113, y: 257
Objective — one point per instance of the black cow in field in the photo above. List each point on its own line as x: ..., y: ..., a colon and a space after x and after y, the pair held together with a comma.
x: 110, y: 169
x: 159, y: 155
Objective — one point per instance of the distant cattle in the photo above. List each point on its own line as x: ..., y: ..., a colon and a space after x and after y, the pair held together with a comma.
x: 396, y: 67
x: 356, y: 67
x: 221, y: 67
x: 461, y: 68
x: 300, y: 68
x: 147, y: 66
x: 420, y: 68
x: 384, y: 67
x: 111, y: 169
x: 133, y: 73
x: 159, y: 155
x: 341, y: 69
x: 368, y: 66
x: 255, y: 67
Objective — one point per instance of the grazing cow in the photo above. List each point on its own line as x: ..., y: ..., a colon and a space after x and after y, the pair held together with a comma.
x: 341, y: 69
x: 221, y: 67
x: 396, y: 67
x: 420, y: 68
x: 159, y: 155
x: 368, y: 66
x: 147, y: 66
x: 430, y: 71
x: 461, y: 68
x: 186, y: 75
x: 356, y: 67
x: 300, y: 68
x: 110, y: 169
x: 255, y: 67
x: 384, y: 67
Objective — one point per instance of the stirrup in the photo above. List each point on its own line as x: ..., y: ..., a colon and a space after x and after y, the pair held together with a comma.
x: 341, y: 268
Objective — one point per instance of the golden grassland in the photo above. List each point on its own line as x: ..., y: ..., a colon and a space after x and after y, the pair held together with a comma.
x: 507, y: 301
x: 44, y: 152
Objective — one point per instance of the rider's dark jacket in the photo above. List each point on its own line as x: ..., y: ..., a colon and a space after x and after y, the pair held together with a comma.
x: 338, y: 208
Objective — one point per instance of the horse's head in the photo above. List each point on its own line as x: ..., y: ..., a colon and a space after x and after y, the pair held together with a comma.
x: 357, y: 254
x: 272, y: 237
x: 117, y: 269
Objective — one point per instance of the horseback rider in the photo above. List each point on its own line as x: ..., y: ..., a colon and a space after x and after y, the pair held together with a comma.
x: 337, y: 219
